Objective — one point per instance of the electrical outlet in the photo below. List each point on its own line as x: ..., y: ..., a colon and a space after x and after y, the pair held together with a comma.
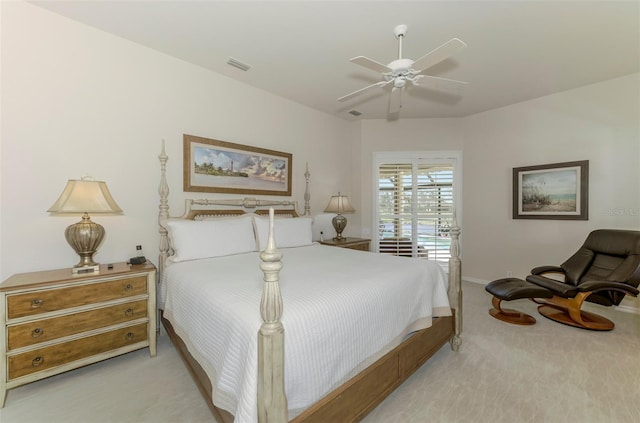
x: 509, y: 273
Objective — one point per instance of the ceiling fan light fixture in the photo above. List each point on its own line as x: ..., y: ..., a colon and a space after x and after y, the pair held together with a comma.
x: 399, y: 82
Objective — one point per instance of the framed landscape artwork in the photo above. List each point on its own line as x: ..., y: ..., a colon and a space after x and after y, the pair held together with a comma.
x: 552, y: 191
x: 220, y: 166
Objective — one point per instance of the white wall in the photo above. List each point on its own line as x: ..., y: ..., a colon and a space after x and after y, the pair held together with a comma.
x: 78, y: 101
x: 599, y: 123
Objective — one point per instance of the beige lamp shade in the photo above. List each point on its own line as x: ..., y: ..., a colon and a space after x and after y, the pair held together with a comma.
x: 85, y: 196
x: 339, y: 204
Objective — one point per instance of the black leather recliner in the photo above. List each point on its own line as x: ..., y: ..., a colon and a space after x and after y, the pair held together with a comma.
x: 603, y: 271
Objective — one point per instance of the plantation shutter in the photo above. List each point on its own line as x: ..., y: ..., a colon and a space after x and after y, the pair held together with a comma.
x: 415, y: 208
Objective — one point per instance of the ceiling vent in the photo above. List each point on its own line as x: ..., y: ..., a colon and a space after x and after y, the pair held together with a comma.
x: 238, y: 64
x: 355, y: 112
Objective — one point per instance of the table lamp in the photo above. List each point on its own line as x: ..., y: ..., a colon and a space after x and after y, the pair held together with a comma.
x: 339, y: 204
x: 85, y: 196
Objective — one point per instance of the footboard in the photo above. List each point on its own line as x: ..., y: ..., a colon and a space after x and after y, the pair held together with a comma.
x: 360, y: 395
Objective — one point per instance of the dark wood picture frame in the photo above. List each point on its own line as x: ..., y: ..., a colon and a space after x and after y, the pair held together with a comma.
x: 553, y: 191
x: 219, y: 166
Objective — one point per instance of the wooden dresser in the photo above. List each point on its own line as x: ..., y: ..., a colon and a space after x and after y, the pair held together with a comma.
x: 352, y: 243
x: 53, y: 321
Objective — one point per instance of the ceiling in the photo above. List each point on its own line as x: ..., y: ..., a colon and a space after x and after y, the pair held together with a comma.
x: 300, y: 50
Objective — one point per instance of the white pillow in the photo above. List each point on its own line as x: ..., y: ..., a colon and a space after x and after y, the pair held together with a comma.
x: 196, y: 239
x: 289, y: 232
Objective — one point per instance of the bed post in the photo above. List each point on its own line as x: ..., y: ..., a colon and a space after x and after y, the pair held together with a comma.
x: 455, y: 283
x: 163, y: 213
x: 272, y: 402
x: 307, y: 195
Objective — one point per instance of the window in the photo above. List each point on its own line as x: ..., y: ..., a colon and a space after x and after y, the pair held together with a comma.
x: 414, y: 204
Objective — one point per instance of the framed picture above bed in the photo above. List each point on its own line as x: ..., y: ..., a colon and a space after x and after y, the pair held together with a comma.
x: 552, y: 191
x: 220, y: 166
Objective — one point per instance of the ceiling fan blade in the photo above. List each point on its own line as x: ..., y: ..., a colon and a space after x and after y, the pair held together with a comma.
x: 426, y: 81
x: 355, y: 93
x: 436, y: 56
x: 395, y: 100
x: 370, y: 64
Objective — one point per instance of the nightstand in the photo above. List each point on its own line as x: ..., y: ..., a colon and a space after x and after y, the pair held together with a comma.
x: 351, y: 243
x: 54, y: 321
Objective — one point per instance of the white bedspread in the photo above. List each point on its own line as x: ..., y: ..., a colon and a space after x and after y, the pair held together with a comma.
x: 343, y: 309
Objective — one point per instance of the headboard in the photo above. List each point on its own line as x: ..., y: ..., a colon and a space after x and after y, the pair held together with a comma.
x: 198, y: 209
x: 248, y: 204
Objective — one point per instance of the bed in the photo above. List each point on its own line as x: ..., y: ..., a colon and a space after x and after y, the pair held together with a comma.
x: 351, y: 336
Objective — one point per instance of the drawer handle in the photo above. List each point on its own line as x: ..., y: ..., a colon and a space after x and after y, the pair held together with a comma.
x: 36, y: 303
x: 37, y: 361
x: 37, y: 332
x: 128, y: 287
x: 128, y: 312
x: 129, y: 336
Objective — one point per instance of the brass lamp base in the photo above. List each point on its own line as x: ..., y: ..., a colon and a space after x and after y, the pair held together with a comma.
x: 85, y: 237
x: 339, y: 223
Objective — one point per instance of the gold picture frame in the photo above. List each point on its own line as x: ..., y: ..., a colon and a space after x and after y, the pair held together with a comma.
x: 211, y: 165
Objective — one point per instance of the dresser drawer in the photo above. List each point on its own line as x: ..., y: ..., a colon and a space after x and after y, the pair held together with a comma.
x: 56, y: 355
x: 363, y: 246
x: 35, y: 332
x: 37, y: 302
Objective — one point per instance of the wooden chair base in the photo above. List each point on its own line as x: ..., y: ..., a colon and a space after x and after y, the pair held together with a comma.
x: 508, y: 315
x: 589, y: 320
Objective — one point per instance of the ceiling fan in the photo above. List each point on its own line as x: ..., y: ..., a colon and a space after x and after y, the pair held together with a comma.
x: 401, y: 71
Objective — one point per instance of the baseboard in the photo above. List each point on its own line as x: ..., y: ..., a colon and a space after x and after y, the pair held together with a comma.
x: 628, y: 309
x: 475, y: 280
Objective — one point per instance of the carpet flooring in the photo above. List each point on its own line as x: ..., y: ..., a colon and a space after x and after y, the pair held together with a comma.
x: 547, y: 372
